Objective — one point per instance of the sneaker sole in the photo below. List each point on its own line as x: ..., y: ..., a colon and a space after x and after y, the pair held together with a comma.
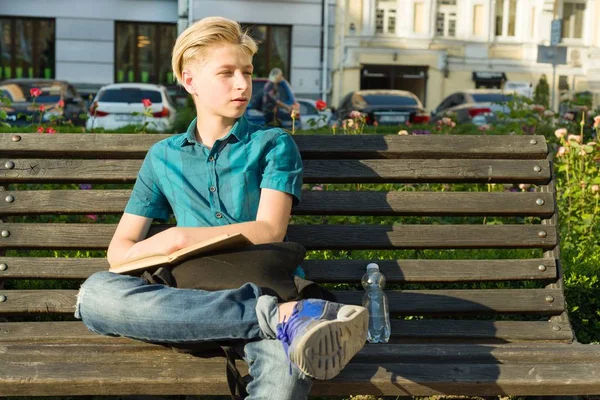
x: 326, y: 349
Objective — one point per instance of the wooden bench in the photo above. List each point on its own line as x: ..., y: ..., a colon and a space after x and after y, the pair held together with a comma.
x: 479, y: 326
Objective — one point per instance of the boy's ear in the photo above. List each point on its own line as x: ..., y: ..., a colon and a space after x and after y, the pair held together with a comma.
x: 188, y: 81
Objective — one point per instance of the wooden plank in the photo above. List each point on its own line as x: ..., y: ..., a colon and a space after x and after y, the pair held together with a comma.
x: 406, y: 302
x: 395, y: 271
x: 339, y: 237
x: 414, y: 331
x: 108, y: 370
x: 93, y: 146
x: 35, y: 202
x: 315, y: 171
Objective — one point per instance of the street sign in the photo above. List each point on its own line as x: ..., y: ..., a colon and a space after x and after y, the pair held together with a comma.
x: 555, y: 32
x: 552, y: 55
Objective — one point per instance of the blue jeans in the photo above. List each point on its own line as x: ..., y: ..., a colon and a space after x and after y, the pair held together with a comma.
x: 120, y: 305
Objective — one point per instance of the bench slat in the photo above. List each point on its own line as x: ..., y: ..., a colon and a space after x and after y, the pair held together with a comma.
x: 414, y: 330
x: 311, y: 146
x: 343, y: 237
x: 119, y: 370
x: 34, y: 202
x: 407, y: 302
x: 315, y: 171
x: 397, y: 271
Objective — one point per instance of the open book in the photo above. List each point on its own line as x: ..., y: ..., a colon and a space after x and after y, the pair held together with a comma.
x: 137, y: 265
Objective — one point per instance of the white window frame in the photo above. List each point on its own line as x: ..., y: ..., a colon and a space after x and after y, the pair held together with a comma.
x: 386, y: 6
x: 506, y: 20
x: 446, y: 10
x: 570, y: 38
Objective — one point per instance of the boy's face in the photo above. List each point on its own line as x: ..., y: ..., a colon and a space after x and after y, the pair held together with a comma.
x: 222, y: 83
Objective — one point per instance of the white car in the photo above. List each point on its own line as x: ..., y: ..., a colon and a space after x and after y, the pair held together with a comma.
x: 123, y: 104
x: 312, y: 118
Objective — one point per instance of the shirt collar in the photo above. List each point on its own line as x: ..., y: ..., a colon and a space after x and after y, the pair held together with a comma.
x: 239, y: 130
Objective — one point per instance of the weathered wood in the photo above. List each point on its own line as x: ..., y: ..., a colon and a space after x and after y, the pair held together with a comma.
x: 407, y: 302
x: 414, y: 331
x: 311, y: 146
x: 34, y: 202
x: 395, y: 271
x: 97, y: 236
x: 314, y: 171
x: 117, y: 370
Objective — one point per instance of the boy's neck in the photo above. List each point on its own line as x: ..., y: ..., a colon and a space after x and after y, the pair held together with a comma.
x: 209, y: 130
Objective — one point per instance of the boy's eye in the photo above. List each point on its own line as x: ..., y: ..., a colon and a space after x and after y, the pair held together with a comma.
x: 248, y: 73
x: 225, y: 72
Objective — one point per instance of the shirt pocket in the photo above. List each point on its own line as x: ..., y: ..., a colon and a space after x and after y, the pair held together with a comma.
x: 240, y: 195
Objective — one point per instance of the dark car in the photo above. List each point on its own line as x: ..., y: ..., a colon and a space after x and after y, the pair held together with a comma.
x: 23, y: 110
x: 478, y: 106
x: 387, y: 107
x: 254, y: 111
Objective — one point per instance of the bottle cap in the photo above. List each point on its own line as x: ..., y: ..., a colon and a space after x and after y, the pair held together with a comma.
x: 373, y: 266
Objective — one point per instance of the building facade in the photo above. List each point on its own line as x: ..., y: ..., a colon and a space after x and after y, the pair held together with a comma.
x: 436, y: 47
x: 91, y: 43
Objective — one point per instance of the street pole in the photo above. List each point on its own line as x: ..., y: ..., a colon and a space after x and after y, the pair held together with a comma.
x: 553, y: 76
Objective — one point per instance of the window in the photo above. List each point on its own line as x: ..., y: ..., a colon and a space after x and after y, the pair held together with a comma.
x: 273, y: 48
x: 478, y: 20
x: 573, y: 13
x: 506, y: 17
x: 27, y: 48
x: 445, y: 20
x: 129, y: 95
x: 385, y: 16
x: 143, y: 52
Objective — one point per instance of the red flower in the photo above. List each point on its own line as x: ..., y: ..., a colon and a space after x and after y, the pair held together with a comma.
x: 40, y: 129
x: 50, y: 130
x: 42, y: 108
x: 35, y: 92
x: 321, y: 105
x: 61, y: 103
x: 146, y: 102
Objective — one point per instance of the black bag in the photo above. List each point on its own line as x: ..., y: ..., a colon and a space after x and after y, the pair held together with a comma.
x: 269, y: 266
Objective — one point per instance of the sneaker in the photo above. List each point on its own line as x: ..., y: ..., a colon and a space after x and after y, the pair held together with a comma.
x: 321, y: 337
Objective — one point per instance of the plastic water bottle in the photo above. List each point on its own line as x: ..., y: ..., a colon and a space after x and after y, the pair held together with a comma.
x: 375, y: 300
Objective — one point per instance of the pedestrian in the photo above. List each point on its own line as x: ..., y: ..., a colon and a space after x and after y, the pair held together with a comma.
x: 270, y: 101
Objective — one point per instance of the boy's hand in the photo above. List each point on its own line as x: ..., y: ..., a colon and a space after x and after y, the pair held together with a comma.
x: 165, y: 242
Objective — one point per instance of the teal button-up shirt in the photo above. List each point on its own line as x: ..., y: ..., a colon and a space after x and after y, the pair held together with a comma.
x: 218, y: 186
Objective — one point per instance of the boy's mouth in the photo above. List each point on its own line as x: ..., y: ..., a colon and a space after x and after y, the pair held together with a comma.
x: 241, y: 99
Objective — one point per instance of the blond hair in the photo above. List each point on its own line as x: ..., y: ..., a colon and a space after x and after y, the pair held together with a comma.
x: 191, y: 45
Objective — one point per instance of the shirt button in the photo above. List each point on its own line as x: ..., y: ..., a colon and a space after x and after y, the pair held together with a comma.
x: 219, y: 215
x: 211, y: 159
x: 212, y: 189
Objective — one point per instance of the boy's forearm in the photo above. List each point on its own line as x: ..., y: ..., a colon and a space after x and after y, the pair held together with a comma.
x: 256, y: 231
x: 117, y: 251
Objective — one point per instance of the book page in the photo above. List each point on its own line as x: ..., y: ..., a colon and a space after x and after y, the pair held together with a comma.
x: 140, y: 264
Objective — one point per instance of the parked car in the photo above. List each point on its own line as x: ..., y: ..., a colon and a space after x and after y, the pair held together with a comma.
x: 387, y: 107
x: 477, y: 106
x: 115, y: 106
x: 25, y: 109
x: 286, y: 95
x: 311, y: 117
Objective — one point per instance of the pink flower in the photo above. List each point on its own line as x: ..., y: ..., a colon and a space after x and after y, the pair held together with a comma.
x: 561, y: 151
x: 560, y: 133
x: 317, y: 187
x: 569, y: 116
x: 50, y: 130
x: 42, y: 108
x: 61, y: 103
x: 355, y: 114
x: 93, y: 217
x: 40, y: 129
x: 524, y: 186
x: 402, y: 132
x: 595, y: 188
x: 597, y: 121
x: 147, y: 103
x: 485, y: 127
x: 375, y: 124
x: 35, y: 92
x: 575, y: 138
x: 321, y: 105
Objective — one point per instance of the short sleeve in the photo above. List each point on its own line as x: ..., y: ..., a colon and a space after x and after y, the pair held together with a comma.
x: 147, y: 199
x: 283, y: 168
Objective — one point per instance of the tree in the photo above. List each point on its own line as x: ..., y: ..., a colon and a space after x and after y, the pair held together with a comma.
x: 542, y: 92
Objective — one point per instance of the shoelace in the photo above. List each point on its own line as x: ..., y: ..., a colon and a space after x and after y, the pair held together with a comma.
x: 284, y: 333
